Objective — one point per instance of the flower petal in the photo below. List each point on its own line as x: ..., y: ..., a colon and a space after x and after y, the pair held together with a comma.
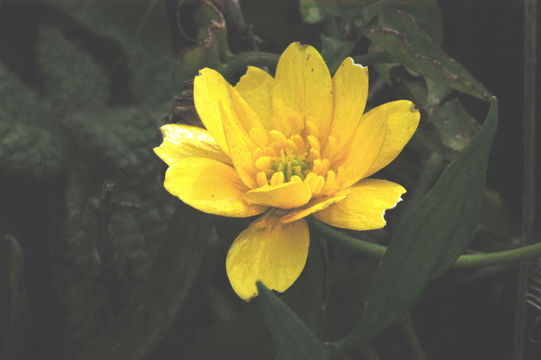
x: 364, y: 208
x: 209, y: 186
x: 350, y: 91
x: 241, y: 148
x: 209, y: 90
x: 286, y: 196
x: 358, y: 156
x: 314, y: 205
x: 302, y: 91
x: 213, y: 96
x: 255, y: 88
x: 181, y: 141
x: 401, y: 119
x: 268, y: 251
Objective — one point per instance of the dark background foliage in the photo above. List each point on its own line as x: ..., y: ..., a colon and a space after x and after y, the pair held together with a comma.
x: 84, y: 219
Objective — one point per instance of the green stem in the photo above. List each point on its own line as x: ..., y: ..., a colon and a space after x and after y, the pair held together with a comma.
x: 411, y: 337
x: 464, y: 261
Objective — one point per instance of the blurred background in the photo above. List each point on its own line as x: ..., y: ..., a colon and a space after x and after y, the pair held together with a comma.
x: 89, y: 237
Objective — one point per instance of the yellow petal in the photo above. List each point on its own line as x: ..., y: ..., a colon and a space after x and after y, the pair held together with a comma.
x: 350, y: 91
x: 361, y: 152
x: 209, y: 90
x: 241, y: 148
x: 302, y: 87
x: 364, y: 207
x: 401, y: 119
x: 314, y: 205
x: 286, y: 196
x: 213, y: 95
x: 268, y: 251
x: 181, y: 141
x: 255, y: 88
x: 209, y: 186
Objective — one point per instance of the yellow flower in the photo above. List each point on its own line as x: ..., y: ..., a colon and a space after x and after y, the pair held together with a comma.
x: 290, y: 146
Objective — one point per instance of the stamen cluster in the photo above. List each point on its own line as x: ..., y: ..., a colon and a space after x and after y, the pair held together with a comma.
x: 296, y: 158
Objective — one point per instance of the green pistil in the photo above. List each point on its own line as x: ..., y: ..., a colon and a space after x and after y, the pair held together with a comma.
x: 291, y: 165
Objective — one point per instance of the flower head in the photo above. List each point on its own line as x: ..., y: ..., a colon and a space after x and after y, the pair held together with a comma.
x: 286, y: 147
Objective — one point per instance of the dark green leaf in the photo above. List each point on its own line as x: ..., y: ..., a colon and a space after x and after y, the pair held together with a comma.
x: 142, y: 39
x: 71, y: 77
x: 27, y: 145
x: 455, y: 127
x: 334, y: 51
x: 431, y: 238
x: 409, y: 86
x: 292, y: 339
x: 153, y: 309
x: 426, y: 13
x: 111, y: 239
x: 311, y: 11
x: 436, y: 93
x: 360, y: 12
x: 122, y: 136
x: 405, y: 41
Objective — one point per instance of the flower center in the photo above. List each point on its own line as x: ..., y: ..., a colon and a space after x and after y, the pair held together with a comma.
x: 295, y: 159
x: 291, y: 164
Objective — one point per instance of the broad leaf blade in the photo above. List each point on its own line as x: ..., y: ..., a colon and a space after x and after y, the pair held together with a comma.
x: 431, y: 238
x: 292, y: 339
x: 400, y: 36
x: 426, y: 13
x: 454, y: 125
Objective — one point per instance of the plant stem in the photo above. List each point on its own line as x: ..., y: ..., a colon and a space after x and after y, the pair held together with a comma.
x: 411, y: 336
x: 464, y: 261
x: 528, y: 195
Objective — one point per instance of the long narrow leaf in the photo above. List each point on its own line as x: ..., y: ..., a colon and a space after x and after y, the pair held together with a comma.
x: 292, y: 339
x: 431, y: 238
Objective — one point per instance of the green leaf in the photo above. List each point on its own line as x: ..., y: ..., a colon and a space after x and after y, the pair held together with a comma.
x: 360, y: 12
x: 143, y: 40
x: 122, y: 136
x: 153, y: 309
x: 27, y: 145
x: 430, y: 238
x: 426, y: 13
x: 292, y: 339
x: 335, y: 50
x: 71, y: 77
x: 405, y: 41
x: 455, y: 127
x: 311, y: 11
x: 409, y: 86
x: 436, y: 93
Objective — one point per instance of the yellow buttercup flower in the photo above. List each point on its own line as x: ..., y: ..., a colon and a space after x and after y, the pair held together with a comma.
x: 287, y: 147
